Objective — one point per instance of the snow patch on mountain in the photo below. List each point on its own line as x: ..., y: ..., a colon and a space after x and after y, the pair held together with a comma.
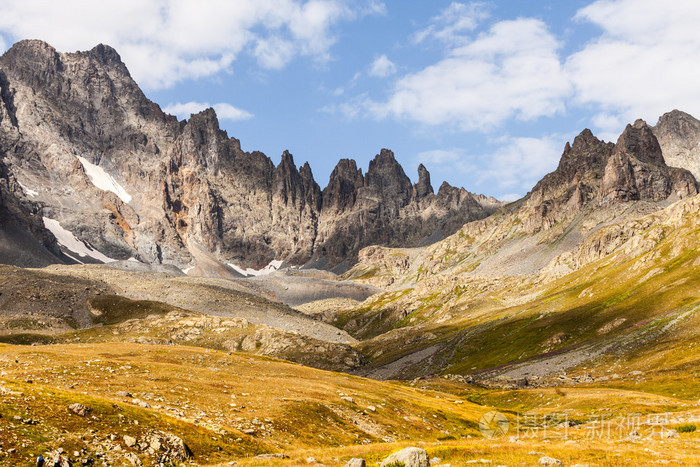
x: 103, y: 180
x: 29, y: 191
x: 67, y: 240
x: 273, y: 266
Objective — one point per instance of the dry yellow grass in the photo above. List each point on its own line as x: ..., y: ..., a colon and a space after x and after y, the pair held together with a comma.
x: 231, y: 407
x: 265, y: 404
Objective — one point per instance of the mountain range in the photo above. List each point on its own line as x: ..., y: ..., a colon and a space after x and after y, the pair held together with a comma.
x: 581, y: 298
x: 110, y: 170
x: 94, y: 172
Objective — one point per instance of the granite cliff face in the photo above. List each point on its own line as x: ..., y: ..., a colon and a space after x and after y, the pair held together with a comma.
x: 23, y: 239
x: 576, y: 182
x: 128, y: 180
x: 637, y: 170
x: 679, y: 137
x: 594, y: 173
x: 383, y: 207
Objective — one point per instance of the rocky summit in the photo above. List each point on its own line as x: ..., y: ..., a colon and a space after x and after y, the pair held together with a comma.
x: 108, y: 170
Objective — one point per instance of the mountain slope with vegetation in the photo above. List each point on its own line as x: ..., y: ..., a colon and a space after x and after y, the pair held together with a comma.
x: 590, y: 266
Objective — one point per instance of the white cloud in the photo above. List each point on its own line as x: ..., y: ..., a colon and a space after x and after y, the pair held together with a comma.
x: 164, y: 42
x: 374, y: 7
x: 508, y: 172
x: 440, y: 157
x: 453, y: 22
x: 644, y: 63
x: 3, y: 45
x: 228, y: 112
x: 510, y: 71
x: 223, y: 110
x: 608, y: 126
x: 274, y: 52
x: 382, y: 67
x: 519, y: 163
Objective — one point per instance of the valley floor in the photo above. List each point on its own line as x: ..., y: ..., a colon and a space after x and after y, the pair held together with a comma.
x: 228, y: 408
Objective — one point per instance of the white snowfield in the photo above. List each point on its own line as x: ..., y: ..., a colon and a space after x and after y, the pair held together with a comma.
x: 269, y: 269
x: 103, y: 180
x: 67, y: 240
x: 29, y: 191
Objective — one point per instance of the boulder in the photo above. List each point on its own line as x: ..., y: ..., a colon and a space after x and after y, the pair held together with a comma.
x: 79, y: 409
x: 174, y: 447
x: 355, y: 462
x: 129, y: 441
x: 411, y: 457
x: 546, y: 460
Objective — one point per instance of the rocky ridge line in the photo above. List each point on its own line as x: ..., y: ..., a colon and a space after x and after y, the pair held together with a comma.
x: 190, y: 186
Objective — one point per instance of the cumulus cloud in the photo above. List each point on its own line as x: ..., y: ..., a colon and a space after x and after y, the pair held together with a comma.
x: 453, y: 22
x: 164, y: 42
x: 519, y: 163
x: 644, y: 63
x: 223, y: 110
x: 373, y: 7
x: 510, y: 71
x: 508, y: 171
x: 382, y: 67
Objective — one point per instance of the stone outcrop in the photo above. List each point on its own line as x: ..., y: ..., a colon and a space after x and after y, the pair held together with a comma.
x: 383, y: 207
x: 636, y: 170
x: 592, y: 172
x: 409, y: 457
x: 576, y: 182
x: 23, y: 238
x: 679, y: 137
x: 174, y: 187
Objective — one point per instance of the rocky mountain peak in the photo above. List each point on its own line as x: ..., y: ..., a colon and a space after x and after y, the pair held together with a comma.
x: 678, y: 134
x: 423, y: 188
x: 386, y: 179
x: 679, y: 122
x: 33, y: 60
x: 33, y: 51
x: 445, y: 188
x: 202, y: 141
x: 584, y: 140
x: 343, y: 185
x: 109, y: 57
x: 637, y: 170
x: 585, y: 158
x: 80, y: 130
x: 639, y: 141
x: 312, y: 191
x: 287, y: 182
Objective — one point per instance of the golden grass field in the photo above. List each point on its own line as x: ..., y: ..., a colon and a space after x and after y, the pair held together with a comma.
x: 230, y: 407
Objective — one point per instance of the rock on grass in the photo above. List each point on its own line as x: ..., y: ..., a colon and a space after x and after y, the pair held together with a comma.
x: 80, y: 409
x: 546, y: 460
x: 411, y: 457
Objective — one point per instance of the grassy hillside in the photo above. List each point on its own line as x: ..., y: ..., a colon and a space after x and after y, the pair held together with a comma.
x: 624, y: 305
x: 232, y: 407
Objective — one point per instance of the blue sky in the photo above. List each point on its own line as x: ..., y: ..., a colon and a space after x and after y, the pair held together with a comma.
x: 485, y: 94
